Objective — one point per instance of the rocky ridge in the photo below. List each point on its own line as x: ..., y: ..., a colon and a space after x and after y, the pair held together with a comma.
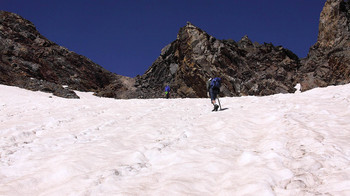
x: 29, y: 60
x: 251, y: 68
x: 246, y: 68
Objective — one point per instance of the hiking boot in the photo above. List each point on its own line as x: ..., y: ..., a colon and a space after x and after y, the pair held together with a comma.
x: 216, y: 107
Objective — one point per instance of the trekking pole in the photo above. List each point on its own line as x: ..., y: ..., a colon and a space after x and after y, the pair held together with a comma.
x: 219, y: 102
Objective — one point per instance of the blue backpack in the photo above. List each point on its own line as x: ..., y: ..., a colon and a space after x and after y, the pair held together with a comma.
x: 167, y: 89
x: 215, y: 83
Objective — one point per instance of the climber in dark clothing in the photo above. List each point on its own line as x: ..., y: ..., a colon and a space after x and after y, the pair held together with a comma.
x: 167, y: 91
x: 213, y: 88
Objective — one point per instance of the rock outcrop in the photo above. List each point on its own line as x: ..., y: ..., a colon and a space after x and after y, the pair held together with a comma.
x: 328, y: 61
x: 31, y: 61
x: 246, y: 68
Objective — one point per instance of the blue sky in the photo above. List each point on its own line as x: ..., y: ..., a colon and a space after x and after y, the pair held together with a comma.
x: 126, y: 36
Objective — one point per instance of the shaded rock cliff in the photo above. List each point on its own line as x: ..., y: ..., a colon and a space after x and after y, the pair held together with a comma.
x: 31, y: 61
x: 328, y: 61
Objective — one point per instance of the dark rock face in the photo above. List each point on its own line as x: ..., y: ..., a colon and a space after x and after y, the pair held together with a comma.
x: 29, y: 60
x: 246, y: 68
x: 328, y: 61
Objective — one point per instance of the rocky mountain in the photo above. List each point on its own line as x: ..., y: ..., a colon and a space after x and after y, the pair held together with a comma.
x: 328, y: 61
x: 250, y: 68
x: 246, y: 68
x: 31, y: 61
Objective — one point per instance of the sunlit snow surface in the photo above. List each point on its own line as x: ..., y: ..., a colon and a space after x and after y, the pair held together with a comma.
x: 291, y: 144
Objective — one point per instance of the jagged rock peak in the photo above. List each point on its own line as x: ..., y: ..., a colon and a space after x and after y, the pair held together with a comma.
x: 245, y: 38
x: 10, y: 15
x: 17, y: 23
x: 245, y: 41
x: 334, y: 23
x: 245, y: 68
x: 190, y: 30
x: 190, y: 25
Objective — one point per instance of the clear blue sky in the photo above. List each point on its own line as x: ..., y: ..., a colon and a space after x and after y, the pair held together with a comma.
x: 126, y: 36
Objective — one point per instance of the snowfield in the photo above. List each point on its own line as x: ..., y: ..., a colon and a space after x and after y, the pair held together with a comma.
x: 286, y: 144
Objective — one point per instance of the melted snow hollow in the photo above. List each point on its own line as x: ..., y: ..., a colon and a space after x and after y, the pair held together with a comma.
x: 290, y: 144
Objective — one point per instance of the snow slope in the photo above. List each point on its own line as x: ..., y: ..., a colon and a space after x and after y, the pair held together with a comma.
x: 290, y: 144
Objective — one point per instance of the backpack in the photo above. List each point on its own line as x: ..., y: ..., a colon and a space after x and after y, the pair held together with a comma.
x: 215, y: 83
x: 167, y: 89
